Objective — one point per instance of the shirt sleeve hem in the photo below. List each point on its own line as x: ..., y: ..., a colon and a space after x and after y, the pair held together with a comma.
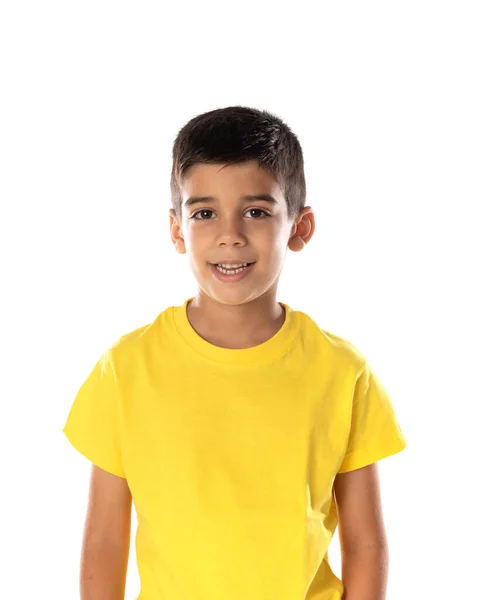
x: 99, y: 462
x: 366, y: 456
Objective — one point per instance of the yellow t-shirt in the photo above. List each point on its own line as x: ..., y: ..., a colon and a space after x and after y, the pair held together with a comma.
x: 231, y: 454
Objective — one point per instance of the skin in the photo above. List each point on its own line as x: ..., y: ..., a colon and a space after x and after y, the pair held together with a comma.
x: 246, y: 313
x: 248, y: 309
x: 106, y: 537
x: 362, y: 534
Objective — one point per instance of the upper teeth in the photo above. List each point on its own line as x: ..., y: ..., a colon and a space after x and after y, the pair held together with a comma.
x: 233, y: 266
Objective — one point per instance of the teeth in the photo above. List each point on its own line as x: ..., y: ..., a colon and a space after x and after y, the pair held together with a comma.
x: 230, y: 271
x: 237, y: 266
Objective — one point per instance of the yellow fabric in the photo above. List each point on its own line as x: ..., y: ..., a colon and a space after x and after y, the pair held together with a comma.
x: 231, y: 454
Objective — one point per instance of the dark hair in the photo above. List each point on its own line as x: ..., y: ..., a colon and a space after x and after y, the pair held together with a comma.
x: 237, y: 134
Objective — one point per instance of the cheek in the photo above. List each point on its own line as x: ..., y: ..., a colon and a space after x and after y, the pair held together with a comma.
x: 199, y: 245
x: 276, y: 247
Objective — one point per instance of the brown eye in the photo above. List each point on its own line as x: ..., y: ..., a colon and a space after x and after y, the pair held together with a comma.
x: 204, y: 210
x: 208, y: 210
x: 260, y: 211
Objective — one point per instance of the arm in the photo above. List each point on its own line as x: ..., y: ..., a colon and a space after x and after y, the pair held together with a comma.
x: 106, y: 539
x: 363, y: 540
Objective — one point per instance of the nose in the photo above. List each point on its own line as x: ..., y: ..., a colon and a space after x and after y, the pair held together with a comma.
x: 231, y: 234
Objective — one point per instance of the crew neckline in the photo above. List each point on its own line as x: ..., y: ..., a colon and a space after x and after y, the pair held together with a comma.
x: 266, y: 352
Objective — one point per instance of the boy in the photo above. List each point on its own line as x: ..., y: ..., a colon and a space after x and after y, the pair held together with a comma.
x: 241, y: 430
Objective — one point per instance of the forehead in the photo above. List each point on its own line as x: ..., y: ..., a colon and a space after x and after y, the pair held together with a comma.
x: 229, y: 181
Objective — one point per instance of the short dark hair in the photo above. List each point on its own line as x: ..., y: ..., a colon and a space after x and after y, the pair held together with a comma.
x: 237, y: 134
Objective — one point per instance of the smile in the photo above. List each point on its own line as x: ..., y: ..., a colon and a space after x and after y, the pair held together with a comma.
x: 231, y: 274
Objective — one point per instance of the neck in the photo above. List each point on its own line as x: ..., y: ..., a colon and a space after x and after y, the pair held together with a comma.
x: 235, y: 325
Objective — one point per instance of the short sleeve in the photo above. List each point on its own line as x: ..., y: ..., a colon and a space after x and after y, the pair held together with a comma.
x: 93, y: 423
x: 375, y: 432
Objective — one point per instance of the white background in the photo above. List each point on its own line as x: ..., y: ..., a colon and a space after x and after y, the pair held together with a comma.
x: 384, y: 98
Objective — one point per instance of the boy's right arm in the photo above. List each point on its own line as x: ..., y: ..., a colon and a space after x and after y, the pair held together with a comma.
x: 106, y: 538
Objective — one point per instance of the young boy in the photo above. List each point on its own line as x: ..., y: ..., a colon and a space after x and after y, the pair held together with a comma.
x: 242, y: 431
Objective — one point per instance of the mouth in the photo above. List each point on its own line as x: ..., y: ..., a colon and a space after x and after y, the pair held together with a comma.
x: 245, y: 264
x: 231, y: 274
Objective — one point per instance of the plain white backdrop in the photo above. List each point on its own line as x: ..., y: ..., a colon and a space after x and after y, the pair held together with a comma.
x: 384, y: 98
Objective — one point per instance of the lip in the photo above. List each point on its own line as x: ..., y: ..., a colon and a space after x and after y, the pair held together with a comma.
x: 232, y: 261
x: 231, y: 278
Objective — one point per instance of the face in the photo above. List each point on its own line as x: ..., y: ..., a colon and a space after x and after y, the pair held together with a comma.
x: 231, y: 227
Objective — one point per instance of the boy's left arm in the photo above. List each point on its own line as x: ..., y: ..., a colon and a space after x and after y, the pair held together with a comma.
x: 362, y: 535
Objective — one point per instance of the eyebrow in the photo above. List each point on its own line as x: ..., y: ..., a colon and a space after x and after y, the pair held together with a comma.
x: 247, y: 198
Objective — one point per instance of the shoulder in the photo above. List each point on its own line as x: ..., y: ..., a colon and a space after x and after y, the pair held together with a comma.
x: 139, y: 337
x: 325, y: 344
x: 136, y: 347
x: 130, y: 338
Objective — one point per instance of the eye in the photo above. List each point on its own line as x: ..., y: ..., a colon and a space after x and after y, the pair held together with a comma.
x: 194, y: 216
x: 208, y: 210
x: 261, y: 211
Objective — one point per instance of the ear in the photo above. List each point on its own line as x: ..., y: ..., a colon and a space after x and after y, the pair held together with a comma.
x: 176, y: 232
x: 302, y: 230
